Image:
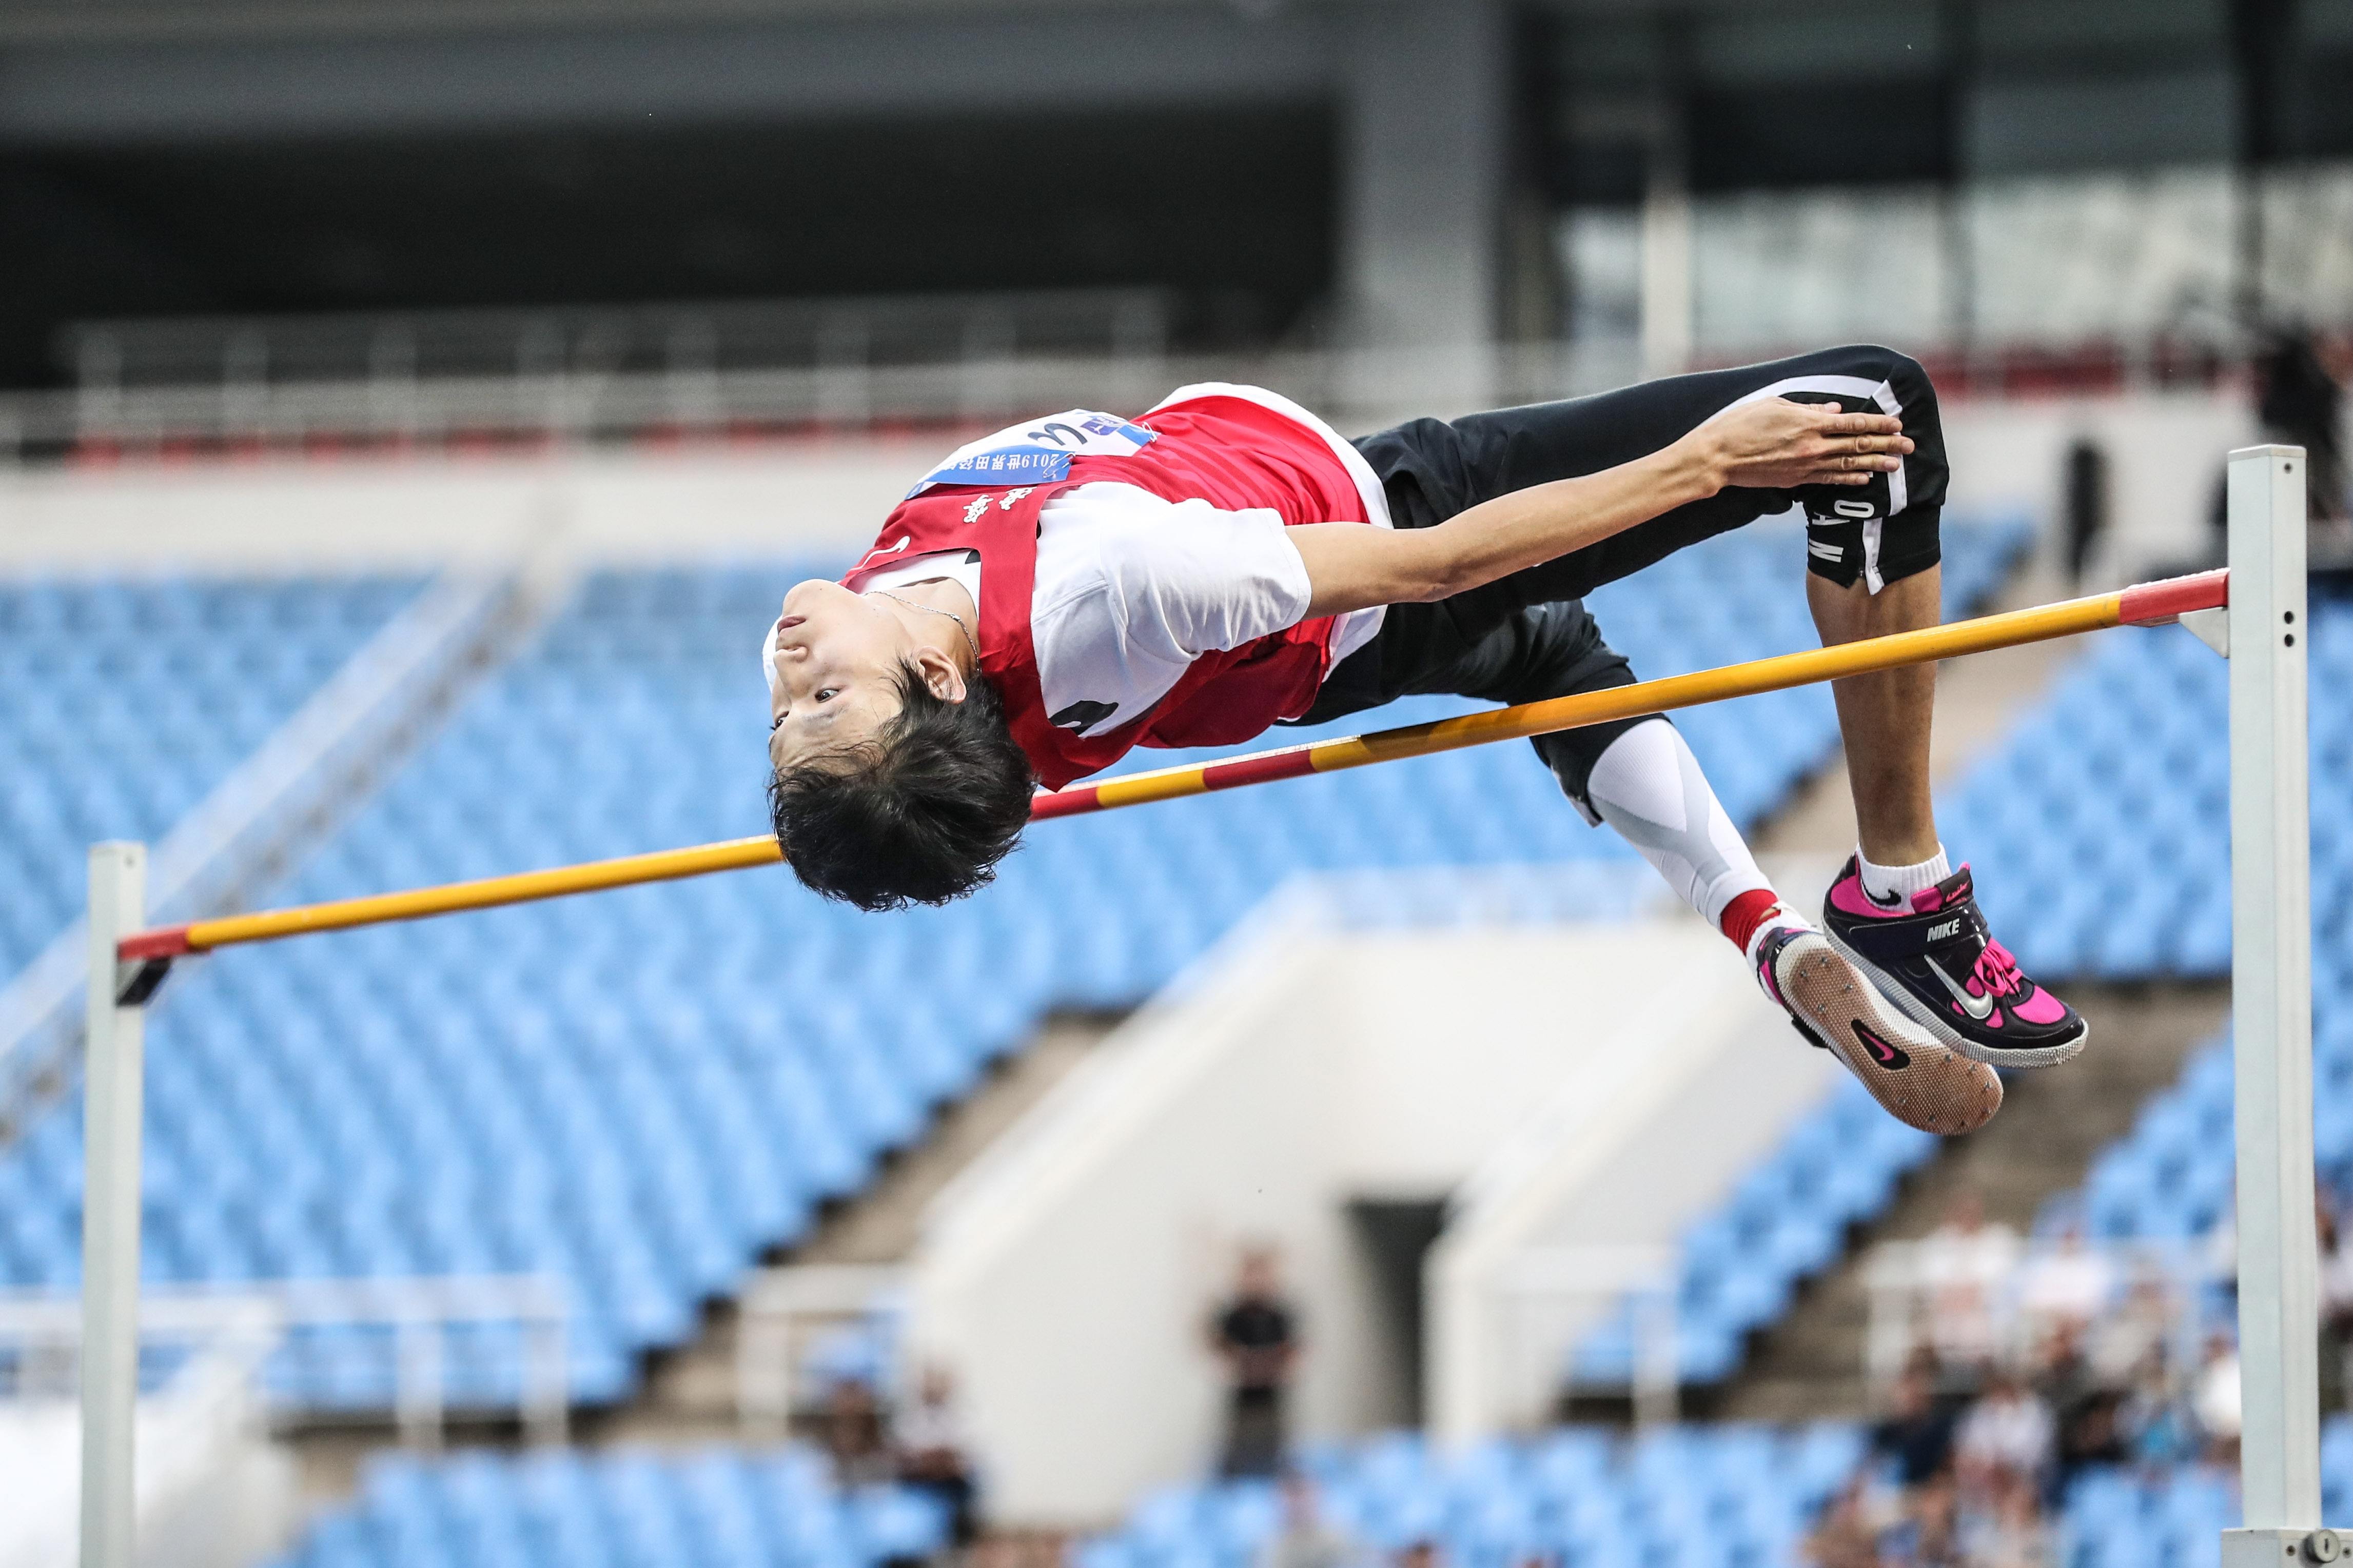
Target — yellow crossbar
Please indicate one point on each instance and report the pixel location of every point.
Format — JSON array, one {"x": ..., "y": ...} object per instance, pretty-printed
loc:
[{"x": 2146, "y": 605}]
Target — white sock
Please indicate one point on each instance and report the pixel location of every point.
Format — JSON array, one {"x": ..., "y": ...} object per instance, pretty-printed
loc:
[
  {"x": 1897, "y": 884},
  {"x": 1649, "y": 787},
  {"x": 1782, "y": 919}
]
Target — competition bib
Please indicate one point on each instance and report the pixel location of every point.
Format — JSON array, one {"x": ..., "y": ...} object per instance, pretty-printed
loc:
[{"x": 1039, "y": 451}]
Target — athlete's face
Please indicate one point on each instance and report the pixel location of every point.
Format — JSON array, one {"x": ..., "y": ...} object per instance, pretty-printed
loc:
[{"x": 834, "y": 657}]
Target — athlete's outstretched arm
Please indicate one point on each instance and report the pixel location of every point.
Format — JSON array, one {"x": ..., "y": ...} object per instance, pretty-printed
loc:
[{"x": 1771, "y": 444}]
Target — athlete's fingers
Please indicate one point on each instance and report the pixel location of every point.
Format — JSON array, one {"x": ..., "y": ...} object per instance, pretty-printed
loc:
[
  {"x": 1862, "y": 452},
  {"x": 1852, "y": 469},
  {"x": 1834, "y": 422}
]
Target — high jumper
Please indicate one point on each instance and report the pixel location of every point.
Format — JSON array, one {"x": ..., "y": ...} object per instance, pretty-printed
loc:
[{"x": 1055, "y": 594}]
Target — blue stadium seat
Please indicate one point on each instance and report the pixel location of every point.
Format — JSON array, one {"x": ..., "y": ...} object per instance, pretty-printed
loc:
[
  {"x": 127, "y": 702},
  {"x": 1692, "y": 1494},
  {"x": 715, "y": 1509},
  {"x": 2175, "y": 1514}
]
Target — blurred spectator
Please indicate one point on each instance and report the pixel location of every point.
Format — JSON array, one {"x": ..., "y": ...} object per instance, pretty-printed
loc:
[
  {"x": 2336, "y": 1305},
  {"x": 854, "y": 1434},
  {"x": 1918, "y": 1433},
  {"x": 2007, "y": 1435},
  {"x": 2220, "y": 1250},
  {"x": 2064, "y": 1287},
  {"x": 2157, "y": 1427},
  {"x": 2087, "y": 505},
  {"x": 1846, "y": 1536},
  {"x": 2214, "y": 1399},
  {"x": 1929, "y": 1535},
  {"x": 2298, "y": 403},
  {"x": 933, "y": 1452},
  {"x": 1421, "y": 1553},
  {"x": 2083, "y": 1409},
  {"x": 1966, "y": 1264},
  {"x": 1256, "y": 1336},
  {"x": 1306, "y": 1538},
  {"x": 2122, "y": 1341},
  {"x": 2007, "y": 1529}
]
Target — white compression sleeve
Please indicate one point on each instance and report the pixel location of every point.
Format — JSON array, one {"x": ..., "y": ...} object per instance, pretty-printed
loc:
[{"x": 1649, "y": 787}]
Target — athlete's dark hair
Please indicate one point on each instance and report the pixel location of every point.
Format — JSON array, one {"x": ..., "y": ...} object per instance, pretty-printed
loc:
[{"x": 920, "y": 814}]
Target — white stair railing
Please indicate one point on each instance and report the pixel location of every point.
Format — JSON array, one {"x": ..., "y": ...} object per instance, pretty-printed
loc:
[{"x": 40, "y": 1335}]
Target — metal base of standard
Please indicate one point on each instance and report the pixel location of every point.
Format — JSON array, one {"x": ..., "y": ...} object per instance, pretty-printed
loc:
[{"x": 2281, "y": 1547}]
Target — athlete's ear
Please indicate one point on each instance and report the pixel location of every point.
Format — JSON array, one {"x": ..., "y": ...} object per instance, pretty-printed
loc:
[{"x": 940, "y": 675}]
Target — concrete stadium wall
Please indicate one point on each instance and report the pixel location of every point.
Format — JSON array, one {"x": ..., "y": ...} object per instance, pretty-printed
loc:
[
  {"x": 1646, "y": 1131},
  {"x": 214, "y": 1491},
  {"x": 2165, "y": 452},
  {"x": 602, "y": 507}
]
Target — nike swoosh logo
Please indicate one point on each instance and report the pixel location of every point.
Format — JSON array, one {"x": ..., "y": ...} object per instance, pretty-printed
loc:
[
  {"x": 1978, "y": 1008},
  {"x": 1889, "y": 1056},
  {"x": 1878, "y": 902}
]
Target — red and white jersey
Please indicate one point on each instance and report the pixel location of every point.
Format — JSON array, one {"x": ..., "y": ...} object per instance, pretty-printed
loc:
[{"x": 1133, "y": 582}]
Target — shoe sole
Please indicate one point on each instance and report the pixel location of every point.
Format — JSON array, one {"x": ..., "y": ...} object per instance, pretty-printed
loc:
[
  {"x": 1920, "y": 1013},
  {"x": 1939, "y": 1090}
]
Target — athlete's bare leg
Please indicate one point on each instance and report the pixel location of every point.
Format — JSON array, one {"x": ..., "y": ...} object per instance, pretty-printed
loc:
[{"x": 1886, "y": 717}]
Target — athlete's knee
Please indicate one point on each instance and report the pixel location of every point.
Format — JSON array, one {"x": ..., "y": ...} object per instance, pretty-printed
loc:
[
  {"x": 1878, "y": 362},
  {"x": 1572, "y": 755},
  {"x": 1914, "y": 390}
]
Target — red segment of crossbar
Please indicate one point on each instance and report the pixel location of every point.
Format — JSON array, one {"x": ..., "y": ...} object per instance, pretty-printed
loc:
[
  {"x": 164, "y": 942},
  {"x": 2153, "y": 603},
  {"x": 1062, "y": 803},
  {"x": 1291, "y": 763},
  {"x": 1266, "y": 769}
]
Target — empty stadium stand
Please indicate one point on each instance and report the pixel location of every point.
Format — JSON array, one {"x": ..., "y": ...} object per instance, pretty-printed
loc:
[
  {"x": 126, "y": 701},
  {"x": 619, "y": 1509},
  {"x": 1680, "y": 1495},
  {"x": 2103, "y": 825},
  {"x": 642, "y": 1093}
]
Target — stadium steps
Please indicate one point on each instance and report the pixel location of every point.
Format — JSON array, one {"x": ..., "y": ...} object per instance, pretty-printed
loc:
[
  {"x": 689, "y": 1395},
  {"x": 2050, "y": 1127}
]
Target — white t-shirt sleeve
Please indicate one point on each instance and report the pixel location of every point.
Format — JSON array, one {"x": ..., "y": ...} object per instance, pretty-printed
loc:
[
  {"x": 1183, "y": 578},
  {"x": 1132, "y": 588}
]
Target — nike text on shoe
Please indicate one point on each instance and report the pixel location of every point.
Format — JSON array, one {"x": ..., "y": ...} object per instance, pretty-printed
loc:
[
  {"x": 1935, "y": 958},
  {"x": 1919, "y": 1082}
]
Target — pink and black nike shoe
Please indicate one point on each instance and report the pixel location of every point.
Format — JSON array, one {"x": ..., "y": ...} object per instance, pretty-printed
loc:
[
  {"x": 1834, "y": 1005},
  {"x": 1934, "y": 957}
]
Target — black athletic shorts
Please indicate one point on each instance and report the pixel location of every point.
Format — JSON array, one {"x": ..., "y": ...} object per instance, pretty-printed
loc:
[{"x": 1527, "y": 637}]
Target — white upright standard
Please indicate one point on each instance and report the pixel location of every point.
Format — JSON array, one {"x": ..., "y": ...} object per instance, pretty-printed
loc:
[
  {"x": 113, "y": 1102},
  {"x": 2271, "y": 1009}
]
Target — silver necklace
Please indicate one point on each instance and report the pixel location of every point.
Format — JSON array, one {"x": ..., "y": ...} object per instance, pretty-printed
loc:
[{"x": 932, "y": 610}]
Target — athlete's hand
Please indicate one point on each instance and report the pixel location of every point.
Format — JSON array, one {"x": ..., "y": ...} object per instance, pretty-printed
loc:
[{"x": 1774, "y": 444}]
